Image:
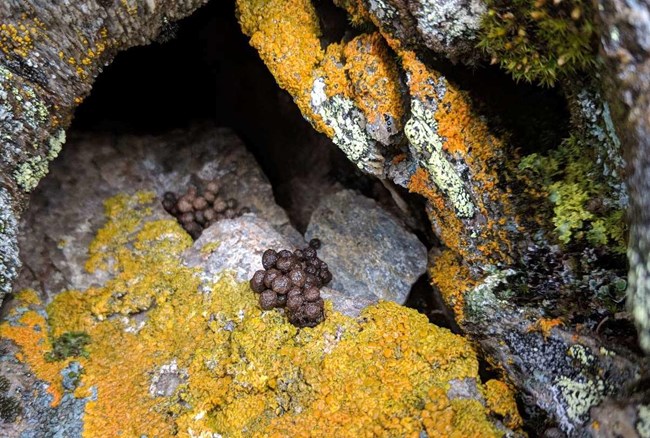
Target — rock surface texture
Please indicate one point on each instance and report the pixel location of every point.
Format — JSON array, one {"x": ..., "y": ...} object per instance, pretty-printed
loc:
[
  {"x": 533, "y": 243},
  {"x": 373, "y": 255},
  {"x": 96, "y": 167},
  {"x": 171, "y": 325}
]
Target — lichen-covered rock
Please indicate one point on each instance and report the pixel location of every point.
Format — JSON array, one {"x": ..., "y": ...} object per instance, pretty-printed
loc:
[
  {"x": 370, "y": 252},
  {"x": 236, "y": 370},
  {"x": 626, "y": 49},
  {"x": 94, "y": 167},
  {"x": 50, "y": 54}
]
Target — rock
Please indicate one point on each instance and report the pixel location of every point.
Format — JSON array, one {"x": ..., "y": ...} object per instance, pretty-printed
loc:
[
  {"x": 370, "y": 254},
  {"x": 236, "y": 245},
  {"x": 207, "y": 347},
  {"x": 48, "y": 65},
  {"x": 68, "y": 210}
]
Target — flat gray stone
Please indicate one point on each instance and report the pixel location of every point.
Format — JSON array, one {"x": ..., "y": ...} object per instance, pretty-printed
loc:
[
  {"x": 236, "y": 245},
  {"x": 370, "y": 253}
]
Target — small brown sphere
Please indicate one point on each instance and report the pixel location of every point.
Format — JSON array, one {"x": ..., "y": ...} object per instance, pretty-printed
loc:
[
  {"x": 270, "y": 275},
  {"x": 209, "y": 196},
  {"x": 168, "y": 204},
  {"x": 298, "y": 277},
  {"x": 315, "y": 243},
  {"x": 309, "y": 252},
  {"x": 325, "y": 276},
  {"x": 281, "y": 284},
  {"x": 193, "y": 229},
  {"x": 257, "y": 282},
  {"x": 313, "y": 312},
  {"x": 191, "y": 192},
  {"x": 268, "y": 300},
  {"x": 230, "y": 213},
  {"x": 269, "y": 259},
  {"x": 311, "y": 270},
  {"x": 311, "y": 294},
  {"x": 294, "y": 291},
  {"x": 219, "y": 205},
  {"x": 231, "y": 203},
  {"x": 210, "y": 215},
  {"x": 298, "y": 253},
  {"x": 282, "y": 301},
  {"x": 200, "y": 203},
  {"x": 184, "y": 204},
  {"x": 285, "y": 253},
  {"x": 199, "y": 217},
  {"x": 186, "y": 218},
  {"x": 213, "y": 186},
  {"x": 311, "y": 281},
  {"x": 294, "y": 302},
  {"x": 284, "y": 264}
]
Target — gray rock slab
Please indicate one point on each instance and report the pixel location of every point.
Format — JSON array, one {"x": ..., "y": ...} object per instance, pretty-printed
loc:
[
  {"x": 237, "y": 245},
  {"x": 370, "y": 253}
]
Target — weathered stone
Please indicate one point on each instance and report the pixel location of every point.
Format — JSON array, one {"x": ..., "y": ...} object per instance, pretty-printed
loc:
[
  {"x": 236, "y": 245},
  {"x": 68, "y": 210},
  {"x": 368, "y": 251},
  {"x": 50, "y": 53}
]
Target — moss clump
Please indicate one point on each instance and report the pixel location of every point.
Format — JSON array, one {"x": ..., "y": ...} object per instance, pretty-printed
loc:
[
  {"x": 9, "y": 406},
  {"x": 540, "y": 40},
  {"x": 569, "y": 175},
  {"x": 70, "y": 344}
]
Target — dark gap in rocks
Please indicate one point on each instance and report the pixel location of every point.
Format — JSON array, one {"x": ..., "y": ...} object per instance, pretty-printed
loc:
[
  {"x": 203, "y": 69},
  {"x": 425, "y": 300},
  {"x": 333, "y": 22}
]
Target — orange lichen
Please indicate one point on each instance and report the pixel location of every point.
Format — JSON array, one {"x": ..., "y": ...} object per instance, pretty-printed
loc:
[
  {"x": 453, "y": 279},
  {"x": 500, "y": 401},
  {"x": 30, "y": 334},
  {"x": 243, "y": 371},
  {"x": 286, "y": 35},
  {"x": 375, "y": 79},
  {"x": 464, "y": 136},
  {"x": 545, "y": 325}
]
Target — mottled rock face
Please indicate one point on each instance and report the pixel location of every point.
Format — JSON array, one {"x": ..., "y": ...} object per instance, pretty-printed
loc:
[
  {"x": 626, "y": 46},
  {"x": 369, "y": 251},
  {"x": 50, "y": 54},
  {"x": 93, "y": 168},
  {"x": 171, "y": 325}
]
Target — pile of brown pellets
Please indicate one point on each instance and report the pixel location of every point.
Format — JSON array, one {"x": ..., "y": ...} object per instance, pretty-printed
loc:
[
  {"x": 292, "y": 280},
  {"x": 196, "y": 210}
]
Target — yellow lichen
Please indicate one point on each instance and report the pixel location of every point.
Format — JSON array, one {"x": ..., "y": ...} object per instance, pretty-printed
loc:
[
  {"x": 500, "y": 401},
  {"x": 286, "y": 35},
  {"x": 375, "y": 79},
  {"x": 29, "y": 333},
  {"x": 241, "y": 371}
]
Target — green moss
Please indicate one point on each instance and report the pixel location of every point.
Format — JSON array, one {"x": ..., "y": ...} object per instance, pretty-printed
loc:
[
  {"x": 581, "y": 208},
  {"x": 9, "y": 406},
  {"x": 9, "y": 409},
  {"x": 70, "y": 344},
  {"x": 540, "y": 40}
]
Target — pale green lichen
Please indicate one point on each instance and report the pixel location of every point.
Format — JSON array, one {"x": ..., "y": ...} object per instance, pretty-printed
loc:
[
  {"x": 581, "y": 207},
  {"x": 580, "y": 395},
  {"x": 643, "y": 423},
  {"x": 29, "y": 173},
  {"x": 348, "y": 124},
  {"x": 420, "y": 130}
]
